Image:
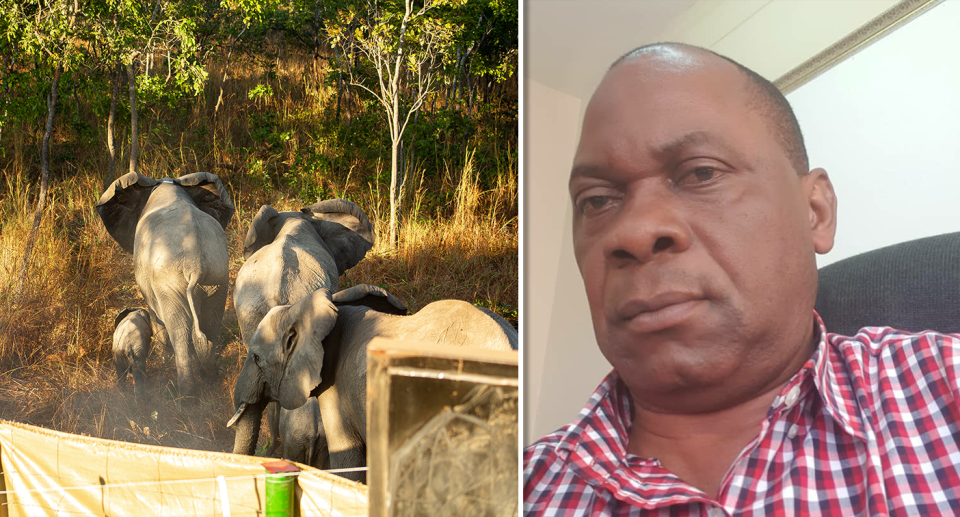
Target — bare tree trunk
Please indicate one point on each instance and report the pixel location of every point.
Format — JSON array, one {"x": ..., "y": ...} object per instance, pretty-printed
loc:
[
  {"x": 394, "y": 151},
  {"x": 111, "y": 145},
  {"x": 336, "y": 53},
  {"x": 393, "y": 192},
  {"x": 316, "y": 40},
  {"x": 44, "y": 181},
  {"x": 226, "y": 75},
  {"x": 134, "y": 118},
  {"x": 6, "y": 92}
]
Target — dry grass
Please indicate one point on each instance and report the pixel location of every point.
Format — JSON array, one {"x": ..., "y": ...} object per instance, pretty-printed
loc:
[{"x": 55, "y": 339}]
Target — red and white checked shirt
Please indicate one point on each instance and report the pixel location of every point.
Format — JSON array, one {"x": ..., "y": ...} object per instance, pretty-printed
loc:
[{"x": 869, "y": 426}]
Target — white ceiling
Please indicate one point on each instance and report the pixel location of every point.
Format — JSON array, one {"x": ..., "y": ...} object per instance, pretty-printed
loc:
[{"x": 569, "y": 43}]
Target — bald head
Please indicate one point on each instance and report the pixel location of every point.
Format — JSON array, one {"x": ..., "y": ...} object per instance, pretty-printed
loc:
[{"x": 765, "y": 98}]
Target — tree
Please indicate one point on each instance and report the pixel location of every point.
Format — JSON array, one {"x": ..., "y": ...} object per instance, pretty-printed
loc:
[
  {"x": 133, "y": 34},
  {"x": 401, "y": 42},
  {"x": 46, "y": 30}
]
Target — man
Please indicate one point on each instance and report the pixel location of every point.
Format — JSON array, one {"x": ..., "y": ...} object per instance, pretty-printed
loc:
[{"x": 696, "y": 220}]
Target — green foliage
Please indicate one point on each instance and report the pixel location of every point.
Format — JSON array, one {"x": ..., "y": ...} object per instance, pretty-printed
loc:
[
  {"x": 260, "y": 91},
  {"x": 281, "y": 127}
]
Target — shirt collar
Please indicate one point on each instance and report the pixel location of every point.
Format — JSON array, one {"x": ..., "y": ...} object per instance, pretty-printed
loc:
[{"x": 835, "y": 384}]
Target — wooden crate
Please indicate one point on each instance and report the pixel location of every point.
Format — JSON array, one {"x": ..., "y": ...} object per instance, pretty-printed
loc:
[{"x": 442, "y": 430}]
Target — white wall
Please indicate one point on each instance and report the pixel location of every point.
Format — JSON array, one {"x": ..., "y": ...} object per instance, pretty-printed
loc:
[
  {"x": 885, "y": 124},
  {"x": 550, "y": 137}
]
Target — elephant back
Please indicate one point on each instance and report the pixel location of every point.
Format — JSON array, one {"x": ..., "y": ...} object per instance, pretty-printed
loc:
[
  {"x": 449, "y": 322},
  {"x": 121, "y": 204}
]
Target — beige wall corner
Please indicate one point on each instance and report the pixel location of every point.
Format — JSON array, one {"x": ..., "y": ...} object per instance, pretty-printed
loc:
[{"x": 550, "y": 134}]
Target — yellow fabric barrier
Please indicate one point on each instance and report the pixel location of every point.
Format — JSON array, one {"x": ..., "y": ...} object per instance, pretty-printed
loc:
[{"x": 46, "y": 472}]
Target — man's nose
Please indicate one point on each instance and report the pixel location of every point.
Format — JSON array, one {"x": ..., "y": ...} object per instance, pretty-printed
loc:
[{"x": 647, "y": 228}]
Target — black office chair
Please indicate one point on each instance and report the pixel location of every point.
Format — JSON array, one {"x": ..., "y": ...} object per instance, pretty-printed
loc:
[{"x": 912, "y": 286}]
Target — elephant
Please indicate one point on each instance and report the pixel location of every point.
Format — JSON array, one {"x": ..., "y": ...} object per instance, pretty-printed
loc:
[
  {"x": 317, "y": 347},
  {"x": 288, "y": 255},
  {"x": 131, "y": 346},
  {"x": 175, "y": 230}
]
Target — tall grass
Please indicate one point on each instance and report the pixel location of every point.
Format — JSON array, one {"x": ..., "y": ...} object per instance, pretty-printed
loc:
[{"x": 458, "y": 240}]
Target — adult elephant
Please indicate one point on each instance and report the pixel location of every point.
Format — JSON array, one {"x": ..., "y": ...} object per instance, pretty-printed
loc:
[
  {"x": 318, "y": 347},
  {"x": 289, "y": 255},
  {"x": 175, "y": 230}
]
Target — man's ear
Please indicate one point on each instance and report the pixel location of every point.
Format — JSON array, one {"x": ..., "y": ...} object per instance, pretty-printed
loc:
[{"x": 822, "y": 203}]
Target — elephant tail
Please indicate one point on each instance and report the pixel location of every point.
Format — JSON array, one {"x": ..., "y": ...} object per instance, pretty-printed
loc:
[{"x": 201, "y": 345}]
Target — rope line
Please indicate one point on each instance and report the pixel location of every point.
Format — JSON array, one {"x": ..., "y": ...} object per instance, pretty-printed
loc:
[{"x": 171, "y": 482}]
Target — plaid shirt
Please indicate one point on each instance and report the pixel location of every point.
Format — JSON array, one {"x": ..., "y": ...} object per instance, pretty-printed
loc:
[{"x": 869, "y": 426}]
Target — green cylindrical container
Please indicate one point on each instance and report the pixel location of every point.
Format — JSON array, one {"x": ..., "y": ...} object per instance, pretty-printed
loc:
[{"x": 280, "y": 487}]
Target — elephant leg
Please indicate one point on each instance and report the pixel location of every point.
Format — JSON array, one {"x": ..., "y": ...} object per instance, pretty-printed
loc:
[
  {"x": 344, "y": 444},
  {"x": 176, "y": 317},
  {"x": 320, "y": 455},
  {"x": 139, "y": 367},
  {"x": 211, "y": 311}
]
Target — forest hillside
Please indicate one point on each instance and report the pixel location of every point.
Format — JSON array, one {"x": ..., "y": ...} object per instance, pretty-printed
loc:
[{"x": 407, "y": 108}]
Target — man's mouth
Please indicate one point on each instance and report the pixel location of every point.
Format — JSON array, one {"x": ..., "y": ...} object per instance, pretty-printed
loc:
[{"x": 658, "y": 312}]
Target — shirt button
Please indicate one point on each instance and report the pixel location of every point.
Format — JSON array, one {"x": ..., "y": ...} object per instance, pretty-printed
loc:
[
  {"x": 792, "y": 396},
  {"x": 716, "y": 512},
  {"x": 792, "y": 432}
]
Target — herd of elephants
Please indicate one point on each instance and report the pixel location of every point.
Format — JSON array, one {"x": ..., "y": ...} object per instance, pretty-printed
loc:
[{"x": 306, "y": 339}]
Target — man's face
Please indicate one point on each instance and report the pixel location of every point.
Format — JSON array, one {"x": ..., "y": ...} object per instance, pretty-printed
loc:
[{"x": 694, "y": 235}]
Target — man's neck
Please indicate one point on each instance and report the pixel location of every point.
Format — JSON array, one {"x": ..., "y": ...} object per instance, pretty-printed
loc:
[{"x": 699, "y": 448}]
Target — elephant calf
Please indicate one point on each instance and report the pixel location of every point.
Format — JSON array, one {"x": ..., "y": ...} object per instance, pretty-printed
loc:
[
  {"x": 131, "y": 346},
  {"x": 304, "y": 440}
]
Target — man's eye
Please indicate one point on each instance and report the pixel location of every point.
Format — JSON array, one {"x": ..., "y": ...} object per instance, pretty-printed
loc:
[
  {"x": 703, "y": 173},
  {"x": 593, "y": 204},
  {"x": 699, "y": 175}
]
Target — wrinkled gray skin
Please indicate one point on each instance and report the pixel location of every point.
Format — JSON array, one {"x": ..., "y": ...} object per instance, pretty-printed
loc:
[
  {"x": 301, "y": 430},
  {"x": 292, "y": 254},
  {"x": 304, "y": 440},
  {"x": 317, "y": 347},
  {"x": 175, "y": 230},
  {"x": 131, "y": 346}
]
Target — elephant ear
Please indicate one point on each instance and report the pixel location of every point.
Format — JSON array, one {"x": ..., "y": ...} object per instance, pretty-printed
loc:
[
  {"x": 121, "y": 204},
  {"x": 344, "y": 228},
  {"x": 261, "y": 231},
  {"x": 375, "y": 297},
  {"x": 121, "y": 316},
  {"x": 208, "y": 194},
  {"x": 344, "y": 212},
  {"x": 312, "y": 319}
]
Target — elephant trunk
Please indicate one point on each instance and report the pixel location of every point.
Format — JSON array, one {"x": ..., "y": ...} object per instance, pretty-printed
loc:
[
  {"x": 248, "y": 429},
  {"x": 249, "y": 400}
]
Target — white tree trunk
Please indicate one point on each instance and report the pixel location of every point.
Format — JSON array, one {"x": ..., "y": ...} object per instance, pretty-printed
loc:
[
  {"x": 134, "y": 118},
  {"x": 111, "y": 144}
]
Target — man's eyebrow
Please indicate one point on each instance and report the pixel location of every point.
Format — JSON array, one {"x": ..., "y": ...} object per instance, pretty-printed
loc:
[
  {"x": 674, "y": 147},
  {"x": 586, "y": 171}
]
